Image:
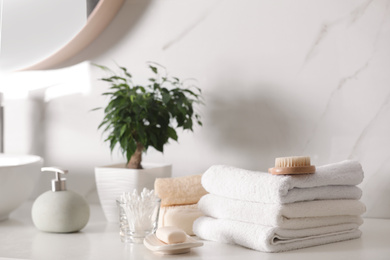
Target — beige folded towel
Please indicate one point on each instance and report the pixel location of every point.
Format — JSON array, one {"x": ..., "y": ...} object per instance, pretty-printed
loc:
[
  {"x": 184, "y": 190},
  {"x": 182, "y": 217}
]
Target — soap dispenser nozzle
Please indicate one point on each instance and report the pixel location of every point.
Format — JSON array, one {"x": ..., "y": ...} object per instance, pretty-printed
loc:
[{"x": 57, "y": 184}]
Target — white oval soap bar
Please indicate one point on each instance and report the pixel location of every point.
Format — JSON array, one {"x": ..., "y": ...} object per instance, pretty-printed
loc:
[{"x": 171, "y": 235}]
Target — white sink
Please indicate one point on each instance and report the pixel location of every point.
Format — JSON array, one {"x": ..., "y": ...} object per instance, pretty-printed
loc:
[{"x": 18, "y": 177}]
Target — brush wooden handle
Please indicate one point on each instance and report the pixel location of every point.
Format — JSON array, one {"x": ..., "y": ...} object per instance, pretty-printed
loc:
[{"x": 292, "y": 170}]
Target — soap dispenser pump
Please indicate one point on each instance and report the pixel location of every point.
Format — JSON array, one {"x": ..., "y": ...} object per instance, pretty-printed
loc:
[{"x": 60, "y": 210}]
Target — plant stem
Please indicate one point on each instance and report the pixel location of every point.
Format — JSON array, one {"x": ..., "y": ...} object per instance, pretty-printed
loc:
[{"x": 136, "y": 158}]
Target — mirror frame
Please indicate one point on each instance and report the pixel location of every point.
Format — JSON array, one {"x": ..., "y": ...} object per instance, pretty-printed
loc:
[{"x": 97, "y": 21}]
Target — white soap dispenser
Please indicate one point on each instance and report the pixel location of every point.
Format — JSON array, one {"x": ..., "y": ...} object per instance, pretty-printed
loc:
[{"x": 60, "y": 210}]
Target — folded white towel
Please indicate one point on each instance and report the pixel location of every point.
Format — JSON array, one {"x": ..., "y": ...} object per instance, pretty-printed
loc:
[
  {"x": 271, "y": 239},
  {"x": 333, "y": 181},
  {"x": 296, "y": 215}
]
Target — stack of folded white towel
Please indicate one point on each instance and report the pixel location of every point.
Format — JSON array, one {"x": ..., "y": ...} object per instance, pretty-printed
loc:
[{"x": 273, "y": 213}]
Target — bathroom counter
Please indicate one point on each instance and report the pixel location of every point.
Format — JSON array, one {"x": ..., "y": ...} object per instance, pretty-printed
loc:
[{"x": 100, "y": 240}]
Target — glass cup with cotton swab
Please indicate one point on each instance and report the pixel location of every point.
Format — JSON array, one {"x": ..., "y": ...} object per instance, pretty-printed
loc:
[{"x": 138, "y": 215}]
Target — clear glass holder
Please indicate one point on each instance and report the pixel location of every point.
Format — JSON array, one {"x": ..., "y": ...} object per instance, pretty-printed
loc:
[{"x": 137, "y": 220}]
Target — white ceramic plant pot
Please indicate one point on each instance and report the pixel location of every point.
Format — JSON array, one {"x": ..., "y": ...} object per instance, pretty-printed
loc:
[{"x": 113, "y": 180}]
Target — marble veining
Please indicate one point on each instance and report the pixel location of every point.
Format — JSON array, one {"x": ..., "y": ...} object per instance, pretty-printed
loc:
[
  {"x": 325, "y": 28},
  {"x": 191, "y": 26},
  {"x": 383, "y": 107},
  {"x": 366, "y": 130},
  {"x": 342, "y": 82},
  {"x": 323, "y": 32},
  {"x": 359, "y": 11},
  {"x": 353, "y": 17}
]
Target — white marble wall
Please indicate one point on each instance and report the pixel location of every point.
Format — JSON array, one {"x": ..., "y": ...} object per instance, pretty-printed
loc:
[{"x": 279, "y": 78}]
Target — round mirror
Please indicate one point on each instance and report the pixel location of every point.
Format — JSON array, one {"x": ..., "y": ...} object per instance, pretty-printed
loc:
[{"x": 41, "y": 34}]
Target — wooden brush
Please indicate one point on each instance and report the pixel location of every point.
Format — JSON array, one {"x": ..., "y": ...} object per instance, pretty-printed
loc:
[{"x": 292, "y": 165}]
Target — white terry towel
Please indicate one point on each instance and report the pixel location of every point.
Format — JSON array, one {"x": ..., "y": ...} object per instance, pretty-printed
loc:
[
  {"x": 271, "y": 239},
  {"x": 333, "y": 181},
  {"x": 298, "y": 215}
]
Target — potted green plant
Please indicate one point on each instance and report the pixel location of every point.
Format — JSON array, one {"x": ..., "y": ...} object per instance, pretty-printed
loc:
[{"x": 136, "y": 118}]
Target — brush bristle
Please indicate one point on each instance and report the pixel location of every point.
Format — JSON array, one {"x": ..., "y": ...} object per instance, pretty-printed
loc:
[{"x": 293, "y": 161}]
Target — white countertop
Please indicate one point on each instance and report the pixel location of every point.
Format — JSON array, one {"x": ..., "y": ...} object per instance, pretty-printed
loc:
[{"x": 100, "y": 240}]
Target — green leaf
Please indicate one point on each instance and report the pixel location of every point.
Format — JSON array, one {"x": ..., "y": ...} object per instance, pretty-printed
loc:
[
  {"x": 109, "y": 138},
  {"x": 103, "y": 67},
  {"x": 190, "y": 92},
  {"x": 102, "y": 123},
  {"x": 100, "y": 66},
  {"x": 153, "y": 139},
  {"x": 172, "y": 133},
  {"x": 166, "y": 97},
  {"x": 125, "y": 71},
  {"x": 123, "y": 130},
  {"x": 130, "y": 150},
  {"x": 188, "y": 125},
  {"x": 128, "y": 120},
  {"x": 154, "y": 69},
  {"x": 106, "y": 79},
  {"x": 108, "y": 93},
  {"x": 118, "y": 78},
  {"x": 112, "y": 144},
  {"x": 141, "y": 134}
]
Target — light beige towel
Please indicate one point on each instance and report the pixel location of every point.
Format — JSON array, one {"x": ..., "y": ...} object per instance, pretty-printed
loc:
[
  {"x": 182, "y": 217},
  {"x": 184, "y": 190}
]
